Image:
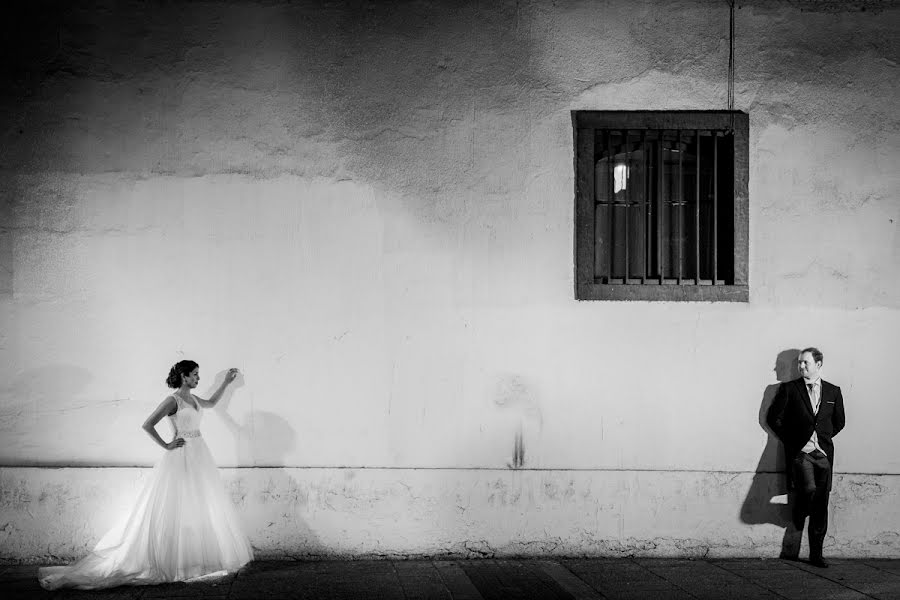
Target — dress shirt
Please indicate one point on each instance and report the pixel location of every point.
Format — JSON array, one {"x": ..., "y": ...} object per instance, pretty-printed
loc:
[{"x": 815, "y": 398}]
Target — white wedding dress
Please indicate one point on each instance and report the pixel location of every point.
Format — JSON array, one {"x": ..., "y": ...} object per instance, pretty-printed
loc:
[{"x": 182, "y": 526}]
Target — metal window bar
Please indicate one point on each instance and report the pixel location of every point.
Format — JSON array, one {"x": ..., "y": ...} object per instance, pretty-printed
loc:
[
  {"x": 610, "y": 212},
  {"x": 715, "y": 212},
  {"x": 627, "y": 209},
  {"x": 679, "y": 236},
  {"x": 660, "y": 258},
  {"x": 697, "y": 216},
  {"x": 593, "y": 197},
  {"x": 648, "y": 213}
]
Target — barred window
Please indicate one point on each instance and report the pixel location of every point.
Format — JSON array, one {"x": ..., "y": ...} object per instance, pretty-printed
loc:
[{"x": 661, "y": 205}]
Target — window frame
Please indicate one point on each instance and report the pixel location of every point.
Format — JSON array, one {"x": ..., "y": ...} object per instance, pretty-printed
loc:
[{"x": 585, "y": 124}]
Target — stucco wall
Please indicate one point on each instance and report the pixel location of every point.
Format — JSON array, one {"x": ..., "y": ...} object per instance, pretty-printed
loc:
[
  {"x": 369, "y": 210},
  {"x": 462, "y": 512}
]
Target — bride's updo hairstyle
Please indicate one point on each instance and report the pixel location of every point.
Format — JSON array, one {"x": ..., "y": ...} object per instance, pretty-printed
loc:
[{"x": 179, "y": 369}]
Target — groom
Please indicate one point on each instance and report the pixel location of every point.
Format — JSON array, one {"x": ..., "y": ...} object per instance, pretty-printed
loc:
[{"x": 805, "y": 415}]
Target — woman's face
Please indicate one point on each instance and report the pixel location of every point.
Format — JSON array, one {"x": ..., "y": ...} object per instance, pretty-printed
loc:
[{"x": 192, "y": 379}]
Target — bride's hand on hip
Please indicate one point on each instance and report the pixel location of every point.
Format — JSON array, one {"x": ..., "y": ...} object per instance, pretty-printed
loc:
[{"x": 176, "y": 443}]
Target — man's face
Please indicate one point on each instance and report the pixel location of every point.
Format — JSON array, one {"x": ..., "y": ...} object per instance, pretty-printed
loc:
[{"x": 809, "y": 368}]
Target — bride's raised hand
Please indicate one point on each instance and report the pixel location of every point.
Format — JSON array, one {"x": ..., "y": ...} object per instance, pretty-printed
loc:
[{"x": 231, "y": 375}]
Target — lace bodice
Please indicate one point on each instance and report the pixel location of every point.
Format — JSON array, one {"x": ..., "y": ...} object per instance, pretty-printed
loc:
[{"x": 187, "y": 418}]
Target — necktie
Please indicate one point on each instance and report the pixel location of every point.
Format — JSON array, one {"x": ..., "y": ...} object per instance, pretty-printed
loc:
[{"x": 812, "y": 397}]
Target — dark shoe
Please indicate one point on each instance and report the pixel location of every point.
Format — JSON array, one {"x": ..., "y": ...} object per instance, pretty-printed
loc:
[{"x": 818, "y": 561}]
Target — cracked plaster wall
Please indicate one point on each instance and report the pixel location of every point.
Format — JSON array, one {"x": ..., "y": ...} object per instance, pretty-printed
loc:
[
  {"x": 369, "y": 210},
  {"x": 58, "y": 513}
]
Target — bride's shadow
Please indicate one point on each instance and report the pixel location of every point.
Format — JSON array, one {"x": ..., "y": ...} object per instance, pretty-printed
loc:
[
  {"x": 264, "y": 441},
  {"x": 767, "y": 500}
]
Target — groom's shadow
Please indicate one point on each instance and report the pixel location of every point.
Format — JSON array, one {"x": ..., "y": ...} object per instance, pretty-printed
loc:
[
  {"x": 264, "y": 440},
  {"x": 767, "y": 500}
]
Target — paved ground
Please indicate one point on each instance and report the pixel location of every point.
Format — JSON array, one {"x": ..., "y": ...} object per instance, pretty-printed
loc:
[{"x": 483, "y": 579}]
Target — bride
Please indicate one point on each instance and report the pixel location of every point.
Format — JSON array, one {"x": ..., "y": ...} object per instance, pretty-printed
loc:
[{"x": 183, "y": 525}]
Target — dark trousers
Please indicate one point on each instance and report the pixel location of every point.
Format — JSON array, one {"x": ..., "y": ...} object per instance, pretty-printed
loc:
[{"x": 811, "y": 497}]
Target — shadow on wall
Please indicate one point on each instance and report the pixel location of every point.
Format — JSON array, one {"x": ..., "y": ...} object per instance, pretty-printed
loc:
[
  {"x": 398, "y": 86},
  {"x": 766, "y": 501},
  {"x": 273, "y": 505},
  {"x": 427, "y": 92},
  {"x": 6, "y": 248}
]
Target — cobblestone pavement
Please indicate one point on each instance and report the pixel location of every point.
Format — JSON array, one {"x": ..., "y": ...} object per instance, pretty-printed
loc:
[{"x": 495, "y": 579}]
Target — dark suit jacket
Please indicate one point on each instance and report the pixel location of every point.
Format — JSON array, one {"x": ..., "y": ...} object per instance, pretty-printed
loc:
[{"x": 791, "y": 418}]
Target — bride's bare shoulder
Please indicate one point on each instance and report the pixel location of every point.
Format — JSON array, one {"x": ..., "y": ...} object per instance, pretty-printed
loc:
[{"x": 169, "y": 404}]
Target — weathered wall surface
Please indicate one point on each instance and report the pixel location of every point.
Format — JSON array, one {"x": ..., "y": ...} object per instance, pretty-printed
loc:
[
  {"x": 369, "y": 210},
  {"x": 458, "y": 512}
]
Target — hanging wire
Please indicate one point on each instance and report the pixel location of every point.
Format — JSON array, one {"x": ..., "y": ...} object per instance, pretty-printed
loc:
[{"x": 731, "y": 60}]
